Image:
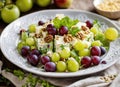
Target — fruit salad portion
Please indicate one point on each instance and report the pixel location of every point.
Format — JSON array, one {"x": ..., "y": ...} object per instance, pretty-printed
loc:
[{"x": 64, "y": 44}]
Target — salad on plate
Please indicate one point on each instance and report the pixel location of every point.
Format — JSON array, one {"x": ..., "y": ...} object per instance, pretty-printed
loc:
[{"x": 63, "y": 44}]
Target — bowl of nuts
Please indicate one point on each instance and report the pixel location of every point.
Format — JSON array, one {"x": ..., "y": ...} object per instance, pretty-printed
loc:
[{"x": 108, "y": 8}]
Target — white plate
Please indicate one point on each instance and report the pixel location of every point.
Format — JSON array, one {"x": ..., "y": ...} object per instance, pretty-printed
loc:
[{"x": 10, "y": 37}]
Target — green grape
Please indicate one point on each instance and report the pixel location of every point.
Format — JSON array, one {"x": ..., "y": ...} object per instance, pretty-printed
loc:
[
  {"x": 30, "y": 41},
  {"x": 33, "y": 47},
  {"x": 73, "y": 53},
  {"x": 55, "y": 57},
  {"x": 96, "y": 43},
  {"x": 65, "y": 53},
  {"x": 24, "y": 36},
  {"x": 20, "y": 45},
  {"x": 100, "y": 36},
  {"x": 32, "y": 28},
  {"x": 84, "y": 52},
  {"x": 111, "y": 33},
  {"x": 94, "y": 30},
  {"x": 61, "y": 66},
  {"x": 79, "y": 45},
  {"x": 72, "y": 65}
]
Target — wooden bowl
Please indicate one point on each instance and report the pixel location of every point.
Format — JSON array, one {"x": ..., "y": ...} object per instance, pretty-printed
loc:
[{"x": 109, "y": 14}]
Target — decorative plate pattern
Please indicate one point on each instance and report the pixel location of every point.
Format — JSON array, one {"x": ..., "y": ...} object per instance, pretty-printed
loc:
[{"x": 10, "y": 38}]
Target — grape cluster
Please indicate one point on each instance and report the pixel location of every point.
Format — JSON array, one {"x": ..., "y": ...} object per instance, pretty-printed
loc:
[
  {"x": 95, "y": 58},
  {"x": 79, "y": 55}
]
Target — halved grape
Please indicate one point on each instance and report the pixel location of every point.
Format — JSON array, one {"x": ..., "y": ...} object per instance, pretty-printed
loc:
[{"x": 61, "y": 66}]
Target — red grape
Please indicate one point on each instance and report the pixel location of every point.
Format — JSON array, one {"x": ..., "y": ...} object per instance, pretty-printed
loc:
[
  {"x": 41, "y": 23},
  {"x": 95, "y": 60},
  {"x": 49, "y": 26},
  {"x": 44, "y": 59},
  {"x": 25, "y": 51},
  {"x": 104, "y": 62},
  {"x": 103, "y": 50},
  {"x": 52, "y": 31},
  {"x": 50, "y": 67},
  {"x": 95, "y": 51},
  {"x": 63, "y": 30},
  {"x": 33, "y": 59},
  {"x": 35, "y": 51},
  {"x": 86, "y": 61},
  {"x": 89, "y": 24}
]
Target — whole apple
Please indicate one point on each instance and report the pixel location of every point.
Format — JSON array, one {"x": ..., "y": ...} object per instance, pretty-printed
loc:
[
  {"x": 24, "y": 5},
  {"x": 0, "y": 15},
  {"x": 63, "y": 3},
  {"x": 43, "y": 3},
  {"x": 9, "y": 13}
]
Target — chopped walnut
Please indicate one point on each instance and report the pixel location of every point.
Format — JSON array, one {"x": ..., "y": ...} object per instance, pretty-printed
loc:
[
  {"x": 44, "y": 29},
  {"x": 48, "y": 38},
  {"x": 68, "y": 38},
  {"x": 40, "y": 35},
  {"x": 80, "y": 35},
  {"x": 85, "y": 29}
]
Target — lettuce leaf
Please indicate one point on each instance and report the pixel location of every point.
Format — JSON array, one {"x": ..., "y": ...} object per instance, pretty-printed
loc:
[{"x": 66, "y": 21}]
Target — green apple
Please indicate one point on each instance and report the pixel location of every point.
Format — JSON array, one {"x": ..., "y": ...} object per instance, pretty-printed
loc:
[
  {"x": 9, "y": 13},
  {"x": 63, "y": 3},
  {"x": 2, "y": 3},
  {"x": 0, "y": 14},
  {"x": 24, "y": 5},
  {"x": 43, "y": 3}
]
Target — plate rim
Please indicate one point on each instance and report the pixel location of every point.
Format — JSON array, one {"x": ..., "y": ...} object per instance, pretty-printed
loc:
[{"x": 46, "y": 74}]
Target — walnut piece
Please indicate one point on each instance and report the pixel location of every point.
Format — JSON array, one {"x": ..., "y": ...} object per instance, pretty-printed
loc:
[
  {"x": 85, "y": 29},
  {"x": 40, "y": 35},
  {"x": 68, "y": 38},
  {"x": 80, "y": 35},
  {"x": 48, "y": 38}
]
